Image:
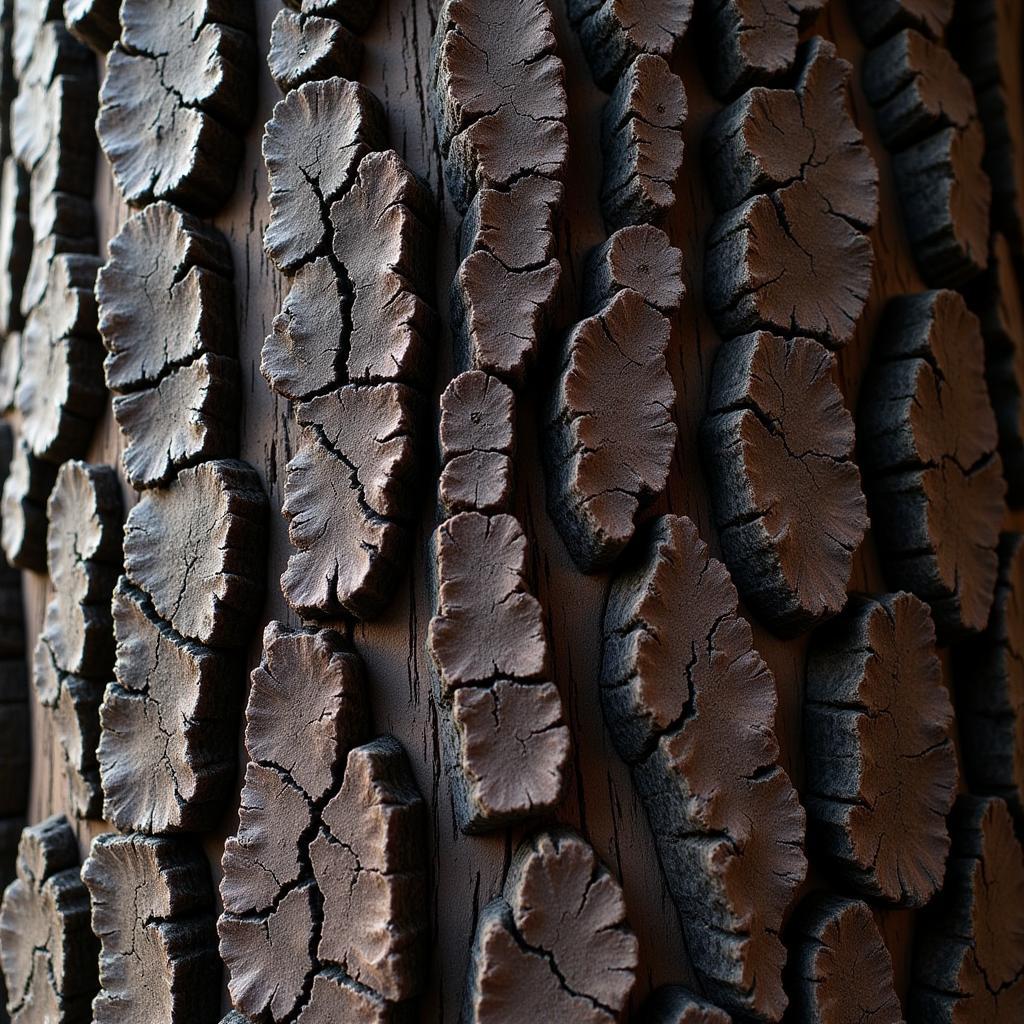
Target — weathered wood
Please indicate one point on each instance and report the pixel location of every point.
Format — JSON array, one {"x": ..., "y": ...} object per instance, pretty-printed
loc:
[
  {"x": 338, "y": 116},
  {"x": 880, "y": 18},
  {"x": 152, "y": 910},
  {"x": 690, "y": 706},
  {"x": 841, "y": 967},
  {"x": 752, "y": 42},
  {"x": 324, "y": 883},
  {"x": 556, "y": 945},
  {"x": 791, "y": 255},
  {"x": 990, "y": 689},
  {"x": 881, "y": 766},
  {"x": 194, "y": 550},
  {"x": 500, "y": 95},
  {"x": 673, "y": 1004},
  {"x": 615, "y": 32},
  {"x": 927, "y": 441},
  {"x": 306, "y": 48},
  {"x": 47, "y": 948},
  {"x": 642, "y": 259},
  {"x": 778, "y": 446},
  {"x": 190, "y": 65},
  {"x": 167, "y": 753},
  {"x": 642, "y": 143},
  {"x": 26, "y": 490},
  {"x": 610, "y": 432},
  {"x": 970, "y": 945},
  {"x": 15, "y": 243}
]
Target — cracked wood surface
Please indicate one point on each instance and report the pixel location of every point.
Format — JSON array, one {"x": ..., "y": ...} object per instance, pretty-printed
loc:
[
  {"x": 556, "y": 944},
  {"x": 881, "y": 765},
  {"x": 927, "y": 442},
  {"x": 842, "y": 971},
  {"x": 968, "y": 956},
  {"x": 928, "y": 117},
  {"x": 798, "y": 190},
  {"x": 49, "y": 951},
  {"x": 599, "y": 800},
  {"x": 304, "y": 48},
  {"x": 93, "y": 22},
  {"x": 188, "y": 65},
  {"x": 690, "y": 706},
  {"x": 165, "y": 299},
  {"x": 877, "y": 19},
  {"x": 324, "y": 884},
  {"x": 74, "y": 655},
  {"x": 153, "y": 913},
  {"x": 778, "y": 445}
]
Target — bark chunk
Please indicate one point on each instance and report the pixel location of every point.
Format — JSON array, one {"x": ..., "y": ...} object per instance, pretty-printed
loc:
[
  {"x": 348, "y": 500},
  {"x": 166, "y": 316},
  {"x": 752, "y": 42},
  {"x": 307, "y": 48},
  {"x": 15, "y": 243},
  {"x": 880, "y": 18},
  {"x": 927, "y": 440},
  {"x": 990, "y": 689},
  {"x": 195, "y": 547},
  {"x": 166, "y": 753},
  {"x": 47, "y": 948},
  {"x": 641, "y": 259},
  {"x": 556, "y": 944},
  {"x": 842, "y": 969},
  {"x": 691, "y": 707},
  {"x": 499, "y": 85},
  {"x": 615, "y": 32},
  {"x": 801, "y": 189},
  {"x": 881, "y": 765},
  {"x": 970, "y": 943},
  {"x": 26, "y": 489},
  {"x": 778, "y": 444},
  {"x": 60, "y": 389},
  {"x": 152, "y": 910},
  {"x": 642, "y": 143},
  {"x": 610, "y": 428},
  {"x": 191, "y": 65},
  {"x": 324, "y": 884},
  {"x": 93, "y": 22},
  {"x": 313, "y": 144},
  {"x": 983, "y": 37}
]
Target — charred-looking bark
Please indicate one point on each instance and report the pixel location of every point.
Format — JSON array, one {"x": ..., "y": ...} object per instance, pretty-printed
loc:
[
  {"x": 47, "y": 948},
  {"x": 153, "y": 913},
  {"x": 324, "y": 886},
  {"x": 798, "y": 190},
  {"x": 195, "y": 550},
  {"x": 778, "y": 445},
  {"x": 752, "y": 42},
  {"x": 969, "y": 945},
  {"x": 167, "y": 319},
  {"x": 305, "y": 48},
  {"x": 556, "y": 944},
  {"x": 74, "y": 654},
  {"x": 509, "y": 747},
  {"x": 880, "y": 18},
  {"x": 928, "y": 118},
  {"x": 190, "y": 64},
  {"x": 927, "y": 441},
  {"x": 881, "y": 766},
  {"x": 985, "y": 37},
  {"x": 691, "y": 708},
  {"x": 673, "y": 1004},
  {"x": 841, "y": 969},
  {"x": 990, "y": 689}
]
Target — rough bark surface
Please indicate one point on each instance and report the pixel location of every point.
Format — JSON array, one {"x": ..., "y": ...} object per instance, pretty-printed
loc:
[
  {"x": 969, "y": 950},
  {"x": 691, "y": 705},
  {"x": 928, "y": 442},
  {"x": 556, "y": 943},
  {"x": 881, "y": 766}
]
